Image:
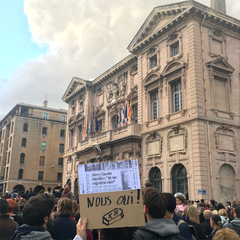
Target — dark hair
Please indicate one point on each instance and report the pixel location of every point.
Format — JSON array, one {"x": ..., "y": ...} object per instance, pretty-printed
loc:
[
  {"x": 66, "y": 206},
  {"x": 201, "y": 205},
  {"x": 3, "y": 206},
  {"x": 182, "y": 199},
  {"x": 171, "y": 202},
  {"x": 37, "y": 208},
  {"x": 30, "y": 189},
  {"x": 217, "y": 220},
  {"x": 155, "y": 201},
  {"x": 148, "y": 184},
  {"x": 49, "y": 189},
  {"x": 220, "y": 206},
  {"x": 229, "y": 203},
  {"x": 126, "y": 233},
  {"x": 212, "y": 201},
  {"x": 202, "y": 200},
  {"x": 237, "y": 211}
]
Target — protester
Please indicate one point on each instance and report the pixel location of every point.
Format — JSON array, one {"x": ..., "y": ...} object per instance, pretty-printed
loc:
[
  {"x": 64, "y": 227},
  {"x": 155, "y": 206},
  {"x": 22, "y": 203},
  {"x": 191, "y": 217},
  {"x": 216, "y": 224},
  {"x": 235, "y": 224},
  {"x": 67, "y": 192},
  {"x": 148, "y": 184},
  {"x": 226, "y": 234},
  {"x": 38, "y": 216},
  {"x": 201, "y": 217},
  {"x": 7, "y": 225},
  {"x": 181, "y": 203},
  {"x": 184, "y": 230},
  {"x": 206, "y": 224},
  {"x": 224, "y": 216},
  {"x": 30, "y": 194},
  {"x": 212, "y": 204},
  {"x": 17, "y": 215},
  {"x": 220, "y": 206}
]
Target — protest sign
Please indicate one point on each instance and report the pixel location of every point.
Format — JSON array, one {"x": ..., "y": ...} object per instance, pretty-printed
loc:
[{"x": 110, "y": 194}]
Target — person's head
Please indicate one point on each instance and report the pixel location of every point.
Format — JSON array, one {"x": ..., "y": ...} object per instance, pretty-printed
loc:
[
  {"x": 237, "y": 212},
  {"x": 126, "y": 233},
  {"x": 228, "y": 204},
  {"x": 201, "y": 210},
  {"x": 223, "y": 212},
  {"x": 148, "y": 184},
  {"x": 181, "y": 200},
  {"x": 41, "y": 192},
  {"x": 49, "y": 189},
  {"x": 11, "y": 205},
  {"x": 38, "y": 211},
  {"x": 202, "y": 200},
  {"x": 65, "y": 207},
  {"x": 66, "y": 186},
  {"x": 207, "y": 214},
  {"x": 226, "y": 234},
  {"x": 215, "y": 221},
  {"x": 3, "y": 206},
  {"x": 155, "y": 203},
  {"x": 200, "y": 204},
  {"x": 234, "y": 204},
  {"x": 220, "y": 206},
  {"x": 191, "y": 213},
  {"x": 22, "y": 202},
  {"x": 30, "y": 189},
  {"x": 171, "y": 202},
  {"x": 212, "y": 202}
]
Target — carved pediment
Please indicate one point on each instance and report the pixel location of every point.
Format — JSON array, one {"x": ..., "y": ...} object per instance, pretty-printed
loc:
[
  {"x": 151, "y": 78},
  {"x": 221, "y": 64},
  {"x": 173, "y": 66},
  {"x": 99, "y": 110},
  {"x": 133, "y": 93}
]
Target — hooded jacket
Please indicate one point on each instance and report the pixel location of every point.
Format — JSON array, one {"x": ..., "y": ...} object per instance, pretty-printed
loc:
[
  {"x": 157, "y": 229},
  {"x": 234, "y": 225}
]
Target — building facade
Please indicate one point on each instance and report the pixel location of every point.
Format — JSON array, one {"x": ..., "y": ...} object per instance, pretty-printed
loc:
[
  {"x": 32, "y": 142},
  {"x": 181, "y": 81}
]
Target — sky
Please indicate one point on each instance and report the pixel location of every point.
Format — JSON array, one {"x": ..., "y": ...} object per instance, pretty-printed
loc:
[{"x": 44, "y": 44}]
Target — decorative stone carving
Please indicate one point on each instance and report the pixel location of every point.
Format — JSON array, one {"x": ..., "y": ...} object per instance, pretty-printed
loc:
[
  {"x": 216, "y": 36},
  {"x": 154, "y": 145},
  {"x": 97, "y": 151},
  {"x": 225, "y": 140},
  {"x": 134, "y": 70},
  {"x": 177, "y": 140},
  {"x": 69, "y": 164}
]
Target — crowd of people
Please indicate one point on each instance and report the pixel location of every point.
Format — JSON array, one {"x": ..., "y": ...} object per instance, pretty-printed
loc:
[{"x": 44, "y": 216}]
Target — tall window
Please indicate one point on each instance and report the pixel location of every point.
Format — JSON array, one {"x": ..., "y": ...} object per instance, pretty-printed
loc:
[
  {"x": 45, "y": 115},
  {"x": 7, "y": 144},
  {"x": 175, "y": 49},
  {"x": 179, "y": 179},
  {"x": 6, "y": 177},
  {"x": 43, "y": 146},
  {"x": 8, "y": 157},
  {"x": 73, "y": 110},
  {"x": 71, "y": 138},
  {"x": 10, "y": 142},
  {"x": 62, "y": 133},
  {"x": 60, "y": 162},
  {"x": 81, "y": 105},
  {"x": 80, "y": 133},
  {"x": 61, "y": 148},
  {"x": 155, "y": 178},
  {"x": 59, "y": 177},
  {"x": 24, "y": 142},
  {"x": 22, "y": 158},
  {"x": 153, "y": 61},
  {"x": 42, "y": 160},
  {"x": 177, "y": 96},
  {"x": 154, "y": 104},
  {"x": 63, "y": 118},
  {"x": 220, "y": 94},
  {"x": 12, "y": 127},
  {"x": 100, "y": 126},
  {"x": 135, "y": 114},
  {"x": 40, "y": 175},
  {"x": 44, "y": 131},
  {"x": 25, "y": 127},
  {"x": 20, "y": 174}
]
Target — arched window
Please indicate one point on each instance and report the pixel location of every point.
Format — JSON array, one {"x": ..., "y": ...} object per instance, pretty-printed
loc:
[
  {"x": 24, "y": 142},
  {"x": 22, "y": 158},
  {"x": 179, "y": 179},
  {"x": 114, "y": 122},
  {"x": 25, "y": 127},
  {"x": 76, "y": 187},
  {"x": 155, "y": 177},
  {"x": 20, "y": 174},
  {"x": 69, "y": 183}
]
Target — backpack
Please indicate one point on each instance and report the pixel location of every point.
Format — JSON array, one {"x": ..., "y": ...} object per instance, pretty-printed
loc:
[{"x": 192, "y": 229}]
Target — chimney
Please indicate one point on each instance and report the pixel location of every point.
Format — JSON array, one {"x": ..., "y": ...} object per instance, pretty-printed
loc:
[
  {"x": 219, "y": 5},
  {"x": 45, "y": 103}
]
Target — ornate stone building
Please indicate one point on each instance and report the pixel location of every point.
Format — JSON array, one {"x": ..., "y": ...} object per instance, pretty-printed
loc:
[
  {"x": 182, "y": 79},
  {"x": 31, "y": 148}
]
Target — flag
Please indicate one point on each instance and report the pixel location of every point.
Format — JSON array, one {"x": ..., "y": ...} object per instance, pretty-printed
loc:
[
  {"x": 96, "y": 126},
  {"x": 84, "y": 133},
  {"x": 130, "y": 113},
  {"x": 120, "y": 121},
  {"x": 126, "y": 114},
  {"x": 123, "y": 116},
  {"x": 89, "y": 133}
]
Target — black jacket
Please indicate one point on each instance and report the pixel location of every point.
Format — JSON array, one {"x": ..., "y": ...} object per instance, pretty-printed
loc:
[
  {"x": 200, "y": 232},
  {"x": 234, "y": 225},
  {"x": 206, "y": 226}
]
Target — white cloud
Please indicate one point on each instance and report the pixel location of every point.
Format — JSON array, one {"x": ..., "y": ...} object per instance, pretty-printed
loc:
[{"x": 84, "y": 39}]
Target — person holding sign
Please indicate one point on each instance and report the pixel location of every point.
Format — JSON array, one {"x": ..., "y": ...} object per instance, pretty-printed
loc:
[{"x": 157, "y": 227}]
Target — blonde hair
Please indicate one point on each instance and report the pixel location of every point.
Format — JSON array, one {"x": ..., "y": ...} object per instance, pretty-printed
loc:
[
  {"x": 214, "y": 212},
  {"x": 226, "y": 234},
  {"x": 223, "y": 212},
  {"x": 192, "y": 213}
]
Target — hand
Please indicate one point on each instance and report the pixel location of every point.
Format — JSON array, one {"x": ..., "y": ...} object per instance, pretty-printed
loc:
[{"x": 82, "y": 228}]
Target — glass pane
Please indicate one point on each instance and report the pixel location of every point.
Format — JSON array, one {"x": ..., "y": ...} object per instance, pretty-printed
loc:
[{"x": 155, "y": 178}]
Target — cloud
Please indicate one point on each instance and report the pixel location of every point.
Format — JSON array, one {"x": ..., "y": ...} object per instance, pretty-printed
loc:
[{"x": 84, "y": 38}]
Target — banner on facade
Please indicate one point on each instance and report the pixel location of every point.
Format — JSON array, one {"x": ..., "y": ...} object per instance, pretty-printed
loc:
[{"x": 110, "y": 194}]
